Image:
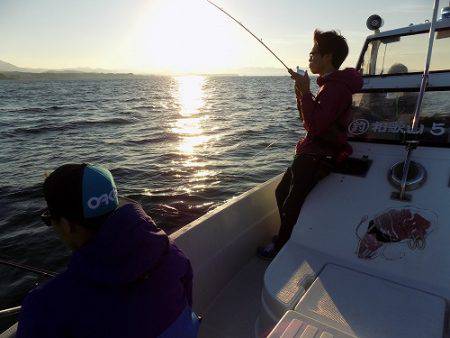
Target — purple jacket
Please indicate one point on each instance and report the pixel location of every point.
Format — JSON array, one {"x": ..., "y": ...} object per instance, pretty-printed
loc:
[
  {"x": 129, "y": 281},
  {"x": 326, "y": 116}
]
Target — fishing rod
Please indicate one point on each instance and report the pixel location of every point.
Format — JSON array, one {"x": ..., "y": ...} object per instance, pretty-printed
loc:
[
  {"x": 27, "y": 268},
  {"x": 15, "y": 310},
  {"x": 249, "y": 31}
]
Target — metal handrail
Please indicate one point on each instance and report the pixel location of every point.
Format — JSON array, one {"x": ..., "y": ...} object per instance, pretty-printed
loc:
[
  {"x": 412, "y": 145},
  {"x": 9, "y": 312}
]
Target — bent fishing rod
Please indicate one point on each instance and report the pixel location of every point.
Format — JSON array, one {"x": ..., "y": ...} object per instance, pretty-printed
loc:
[{"x": 249, "y": 31}]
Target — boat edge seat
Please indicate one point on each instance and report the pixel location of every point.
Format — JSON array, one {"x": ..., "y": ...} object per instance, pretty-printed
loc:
[
  {"x": 288, "y": 277},
  {"x": 9, "y": 333}
]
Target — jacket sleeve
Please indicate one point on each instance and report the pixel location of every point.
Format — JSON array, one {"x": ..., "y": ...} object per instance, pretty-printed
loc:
[
  {"x": 320, "y": 112},
  {"x": 187, "y": 283},
  {"x": 186, "y": 273},
  {"x": 299, "y": 107},
  {"x": 35, "y": 321}
]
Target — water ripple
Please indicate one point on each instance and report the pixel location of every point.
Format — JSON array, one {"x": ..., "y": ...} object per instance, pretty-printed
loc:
[{"x": 179, "y": 146}]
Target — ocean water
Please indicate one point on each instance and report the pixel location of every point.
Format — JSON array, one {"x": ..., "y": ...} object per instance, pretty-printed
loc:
[{"x": 181, "y": 146}]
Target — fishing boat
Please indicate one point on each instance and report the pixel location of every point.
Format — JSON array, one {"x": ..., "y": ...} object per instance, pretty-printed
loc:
[{"x": 369, "y": 254}]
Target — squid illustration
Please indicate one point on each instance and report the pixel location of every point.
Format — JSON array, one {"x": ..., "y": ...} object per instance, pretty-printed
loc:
[{"x": 391, "y": 227}]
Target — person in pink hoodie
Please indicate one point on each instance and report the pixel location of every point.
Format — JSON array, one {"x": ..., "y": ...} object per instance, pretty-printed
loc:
[{"x": 325, "y": 117}]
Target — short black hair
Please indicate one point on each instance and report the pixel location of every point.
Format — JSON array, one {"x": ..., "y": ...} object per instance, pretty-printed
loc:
[
  {"x": 62, "y": 192},
  {"x": 333, "y": 43}
]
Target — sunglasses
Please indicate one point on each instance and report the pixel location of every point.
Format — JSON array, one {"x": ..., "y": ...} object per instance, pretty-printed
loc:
[{"x": 46, "y": 217}]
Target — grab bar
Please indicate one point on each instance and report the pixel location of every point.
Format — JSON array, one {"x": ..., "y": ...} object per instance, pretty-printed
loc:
[{"x": 9, "y": 312}]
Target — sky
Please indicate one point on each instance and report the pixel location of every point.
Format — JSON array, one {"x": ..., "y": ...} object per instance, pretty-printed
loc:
[{"x": 185, "y": 36}]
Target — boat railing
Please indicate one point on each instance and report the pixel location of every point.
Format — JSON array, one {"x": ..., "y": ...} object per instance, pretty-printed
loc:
[
  {"x": 10, "y": 312},
  {"x": 411, "y": 145}
]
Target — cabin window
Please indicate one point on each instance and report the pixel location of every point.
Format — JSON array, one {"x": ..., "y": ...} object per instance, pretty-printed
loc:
[
  {"x": 405, "y": 54},
  {"x": 387, "y": 117}
]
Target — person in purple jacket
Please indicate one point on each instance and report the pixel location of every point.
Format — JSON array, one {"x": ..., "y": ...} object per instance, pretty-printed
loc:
[
  {"x": 325, "y": 117},
  {"x": 125, "y": 278}
]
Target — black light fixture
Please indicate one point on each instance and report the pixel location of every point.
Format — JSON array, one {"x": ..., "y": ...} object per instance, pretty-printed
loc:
[{"x": 374, "y": 22}]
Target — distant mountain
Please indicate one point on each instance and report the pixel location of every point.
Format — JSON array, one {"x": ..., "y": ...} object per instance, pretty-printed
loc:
[
  {"x": 81, "y": 70},
  {"x": 261, "y": 71},
  {"x": 9, "y": 71},
  {"x": 64, "y": 76},
  {"x": 8, "y": 67},
  {"x": 248, "y": 71}
]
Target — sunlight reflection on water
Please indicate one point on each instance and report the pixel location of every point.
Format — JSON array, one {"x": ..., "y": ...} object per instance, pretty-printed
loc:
[
  {"x": 178, "y": 146},
  {"x": 190, "y": 128},
  {"x": 190, "y": 94}
]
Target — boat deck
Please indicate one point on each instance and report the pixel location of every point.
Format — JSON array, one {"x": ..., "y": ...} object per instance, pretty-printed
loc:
[{"x": 234, "y": 311}]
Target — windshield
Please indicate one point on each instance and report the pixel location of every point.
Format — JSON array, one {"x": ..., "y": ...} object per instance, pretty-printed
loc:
[
  {"x": 405, "y": 54},
  {"x": 387, "y": 116}
]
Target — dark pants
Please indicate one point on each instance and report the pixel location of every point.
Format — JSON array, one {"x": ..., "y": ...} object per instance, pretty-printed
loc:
[{"x": 297, "y": 182}]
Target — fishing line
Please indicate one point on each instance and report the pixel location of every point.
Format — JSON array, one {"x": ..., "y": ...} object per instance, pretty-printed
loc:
[
  {"x": 265, "y": 46},
  {"x": 270, "y": 145},
  {"x": 5, "y": 261},
  {"x": 249, "y": 31}
]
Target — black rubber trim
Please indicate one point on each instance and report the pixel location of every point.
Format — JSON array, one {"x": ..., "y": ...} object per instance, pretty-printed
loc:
[
  {"x": 405, "y": 74},
  {"x": 397, "y": 142},
  {"x": 410, "y": 89},
  {"x": 353, "y": 166}
]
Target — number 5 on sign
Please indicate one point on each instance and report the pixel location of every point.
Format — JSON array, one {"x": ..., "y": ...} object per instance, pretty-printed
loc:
[{"x": 438, "y": 129}]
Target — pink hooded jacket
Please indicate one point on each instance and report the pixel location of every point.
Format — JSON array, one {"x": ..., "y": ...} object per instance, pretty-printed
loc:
[{"x": 326, "y": 116}]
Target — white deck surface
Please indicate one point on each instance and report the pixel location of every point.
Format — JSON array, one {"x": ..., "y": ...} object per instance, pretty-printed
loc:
[
  {"x": 234, "y": 311},
  {"x": 348, "y": 199},
  {"x": 326, "y": 230}
]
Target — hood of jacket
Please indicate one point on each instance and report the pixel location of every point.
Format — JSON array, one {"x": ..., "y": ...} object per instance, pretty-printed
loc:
[
  {"x": 350, "y": 77},
  {"x": 127, "y": 247}
]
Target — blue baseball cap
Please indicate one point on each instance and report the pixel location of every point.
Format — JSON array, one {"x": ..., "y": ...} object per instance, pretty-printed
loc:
[
  {"x": 99, "y": 192},
  {"x": 81, "y": 192}
]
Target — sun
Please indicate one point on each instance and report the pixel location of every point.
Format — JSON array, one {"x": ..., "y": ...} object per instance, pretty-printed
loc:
[{"x": 185, "y": 36}]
